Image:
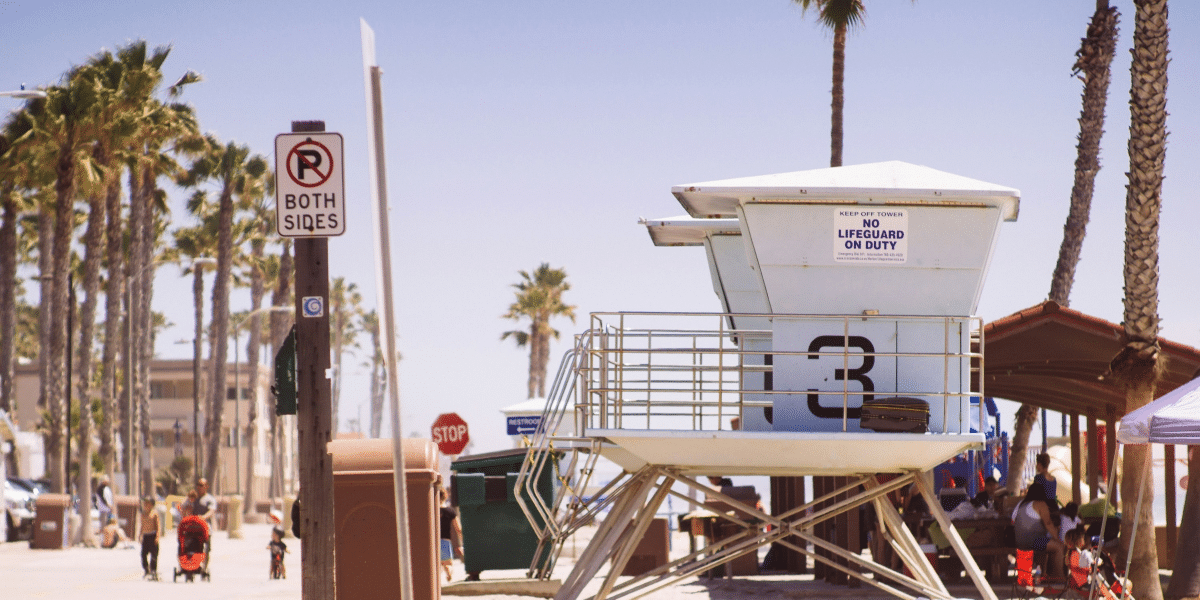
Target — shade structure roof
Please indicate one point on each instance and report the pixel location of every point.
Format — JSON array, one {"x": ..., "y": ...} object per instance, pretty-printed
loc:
[
  {"x": 884, "y": 183},
  {"x": 1054, "y": 357}
]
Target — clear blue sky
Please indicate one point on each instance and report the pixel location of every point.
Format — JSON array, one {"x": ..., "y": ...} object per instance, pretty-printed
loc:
[{"x": 529, "y": 131}]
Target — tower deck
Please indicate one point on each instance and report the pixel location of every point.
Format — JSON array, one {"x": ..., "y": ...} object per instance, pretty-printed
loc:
[{"x": 780, "y": 453}]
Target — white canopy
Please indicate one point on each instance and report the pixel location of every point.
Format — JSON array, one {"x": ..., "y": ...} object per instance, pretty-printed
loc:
[{"x": 1172, "y": 419}]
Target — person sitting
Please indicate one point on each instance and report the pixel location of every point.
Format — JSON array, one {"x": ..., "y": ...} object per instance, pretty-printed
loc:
[
  {"x": 112, "y": 534},
  {"x": 1068, "y": 519},
  {"x": 1047, "y": 481},
  {"x": 990, "y": 493},
  {"x": 1035, "y": 530}
]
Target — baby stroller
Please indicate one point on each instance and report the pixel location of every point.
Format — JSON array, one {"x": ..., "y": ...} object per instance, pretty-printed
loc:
[
  {"x": 193, "y": 536},
  {"x": 1108, "y": 580}
]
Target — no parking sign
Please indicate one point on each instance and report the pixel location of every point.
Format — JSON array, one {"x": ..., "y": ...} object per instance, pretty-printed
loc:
[{"x": 310, "y": 190}]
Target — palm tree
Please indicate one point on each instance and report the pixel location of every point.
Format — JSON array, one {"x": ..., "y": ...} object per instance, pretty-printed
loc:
[
  {"x": 279, "y": 270},
  {"x": 128, "y": 78},
  {"x": 539, "y": 299},
  {"x": 236, "y": 173},
  {"x": 1093, "y": 65},
  {"x": 840, "y": 16},
  {"x": 261, "y": 227},
  {"x": 369, "y": 322},
  {"x": 64, "y": 124},
  {"x": 196, "y": 245},
  {"x": 1138, "y": 364},
  {"x": 163, "y": 129},
  {"x": 345, "y": 306},
  {"x": 1185, "y": 579},
  {"x": 18, "y": 173},
  {"x": 1094, "y": 61}
]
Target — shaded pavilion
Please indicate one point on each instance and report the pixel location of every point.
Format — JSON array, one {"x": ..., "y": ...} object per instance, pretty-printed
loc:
[{"x": 1056, "y": 358}]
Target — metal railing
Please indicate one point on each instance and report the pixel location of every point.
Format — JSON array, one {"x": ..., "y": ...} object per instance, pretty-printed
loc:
[
  {"x": 690, "y": 377},
  {"x": 628, "y": 371}
]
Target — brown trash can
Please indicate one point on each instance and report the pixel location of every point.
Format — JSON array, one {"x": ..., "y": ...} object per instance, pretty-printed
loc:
[
  {"x": 366, "y": 557},
  {"x": 652, "y": 550},
  {"x": 129, "y": 512},
  {"x": 50, "y": 529}
]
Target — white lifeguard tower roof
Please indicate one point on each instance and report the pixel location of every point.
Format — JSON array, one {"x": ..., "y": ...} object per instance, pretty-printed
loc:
[
  {"x": 688, "y": 231},
  {"x": 884, "y": 183}
]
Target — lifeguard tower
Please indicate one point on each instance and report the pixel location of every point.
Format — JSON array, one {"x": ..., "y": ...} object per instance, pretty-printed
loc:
[{"x": 839, "y": 286}]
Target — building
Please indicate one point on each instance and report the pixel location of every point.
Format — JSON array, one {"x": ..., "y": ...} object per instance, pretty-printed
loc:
[{"x": 171, "y": 425}]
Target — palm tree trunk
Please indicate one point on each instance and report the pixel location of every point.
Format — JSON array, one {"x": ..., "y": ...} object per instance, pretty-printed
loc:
[
  {"x": 92, "y": 240},
  {"x": 45, "y": 253},
  {"x": 198, "y": 387},
  {"x": 1025, "y": 419},
  {"x": 112, "y": 326},
  {"x": 1138, "y": 363},
  {"x": 8, "y": 300},
  {"x": 280, "y": 324},
  {"x": 133, "y": 314},
  {"x": 64, "y": 188},
  {"x": 533, "y": 356},
  {"x": 1185, "y": 580},
  {"x": 218, "y": 342},
  {"x": 253, "y": 347},
  {"x": 144, "y": 340},
  {"x": 1094, "y": 61},
  {"x": 839, "y": 94},
  {"x": 544, "y": 363},
  {"x": 338, "y": 328}
]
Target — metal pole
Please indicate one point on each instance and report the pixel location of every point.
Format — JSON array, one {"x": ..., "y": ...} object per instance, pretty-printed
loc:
[
  {"x": 383, "y": 285},
  {"x": 129, "y": 470},
  {"x": 70, "y": 361},
  {"x": 237, "y": 413}
]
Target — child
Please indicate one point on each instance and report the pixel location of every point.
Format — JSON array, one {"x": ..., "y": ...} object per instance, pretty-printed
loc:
[
  {"x": 149, "y": 539},
  {"x": 1079, "y": 564},
  {"x": 1068, "y": 519},
  {"x": 112, "y": 534},
  {"x": 278, "y": 549}
]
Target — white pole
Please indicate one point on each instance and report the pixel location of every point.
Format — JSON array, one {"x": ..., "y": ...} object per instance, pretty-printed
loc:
[
  {"x": 1137, "y": 515},
  {"x": 383, "y": 290}
]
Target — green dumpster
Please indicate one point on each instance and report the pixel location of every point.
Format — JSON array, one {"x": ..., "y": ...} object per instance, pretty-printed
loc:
[{"x": 496, "y": 534}]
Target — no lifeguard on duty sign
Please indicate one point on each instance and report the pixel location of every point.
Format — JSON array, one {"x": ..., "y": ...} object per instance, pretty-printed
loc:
[{"x": 310, "y": 190}]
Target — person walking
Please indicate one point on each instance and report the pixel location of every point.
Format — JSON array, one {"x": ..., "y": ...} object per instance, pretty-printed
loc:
[
  {"x": 150, "y": 527},
  {"x": 450, "y": 533},
  {"x": 205, "y": 507}
]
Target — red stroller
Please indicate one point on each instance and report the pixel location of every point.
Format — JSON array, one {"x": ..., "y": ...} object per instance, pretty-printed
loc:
[{"x": 193, "y": 538}]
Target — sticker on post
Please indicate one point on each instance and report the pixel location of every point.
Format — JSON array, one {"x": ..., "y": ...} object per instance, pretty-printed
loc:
[{"x": 313, "y": 307}]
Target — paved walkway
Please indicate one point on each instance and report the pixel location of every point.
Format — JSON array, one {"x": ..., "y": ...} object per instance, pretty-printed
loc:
[{"x": 239, "y": 570}]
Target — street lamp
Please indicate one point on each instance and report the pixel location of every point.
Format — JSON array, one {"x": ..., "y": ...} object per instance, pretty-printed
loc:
[
  {"x": 237, "y": 388},
  {"x": 24, "y": 94}
]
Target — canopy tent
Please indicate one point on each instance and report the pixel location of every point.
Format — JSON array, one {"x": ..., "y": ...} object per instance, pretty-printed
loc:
[{"x": 1174, "y": 418}]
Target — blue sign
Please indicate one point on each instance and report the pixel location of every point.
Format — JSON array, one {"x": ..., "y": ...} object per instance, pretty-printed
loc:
[{"x": 523, "y": 425}]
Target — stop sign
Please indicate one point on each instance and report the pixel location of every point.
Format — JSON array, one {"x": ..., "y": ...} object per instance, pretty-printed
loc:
[{"x": 449, "y": 432}]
